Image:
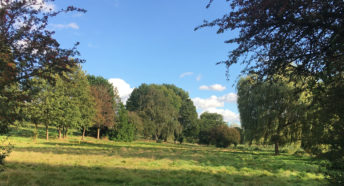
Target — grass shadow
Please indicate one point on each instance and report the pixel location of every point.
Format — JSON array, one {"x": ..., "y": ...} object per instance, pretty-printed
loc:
[{"x": 44, "y": 174}]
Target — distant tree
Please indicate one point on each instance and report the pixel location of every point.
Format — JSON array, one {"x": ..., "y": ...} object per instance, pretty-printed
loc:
[
  {"x": 223, "y": 136},
  {"x": 209, "y": 121},
  {"x": 101, "y": 81},
  {"x": 106, "y": 99},
  {"x": 125, "y": 130},
  {"x": 83, "y": 99},
  {"x": 158, "y": 107},
  {"x": 137, "y": 122},
  {"x": 105, "y": 114},
  {"x": 187, "y": 116},
  {"x": 188, "y": 120}
]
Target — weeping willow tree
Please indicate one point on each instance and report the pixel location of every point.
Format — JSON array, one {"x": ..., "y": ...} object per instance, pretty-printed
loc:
[{"x": 271, "y": 110}]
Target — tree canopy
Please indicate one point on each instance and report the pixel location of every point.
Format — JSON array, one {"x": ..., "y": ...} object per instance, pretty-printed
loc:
[{"x": 274, "y": 34}]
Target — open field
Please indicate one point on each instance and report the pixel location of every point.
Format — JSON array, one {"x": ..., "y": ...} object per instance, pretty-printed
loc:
[{"x": 91, "y": 162}]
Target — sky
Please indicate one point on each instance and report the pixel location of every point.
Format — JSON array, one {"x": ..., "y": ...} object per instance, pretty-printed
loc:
[{"x": 130, "y": 42}]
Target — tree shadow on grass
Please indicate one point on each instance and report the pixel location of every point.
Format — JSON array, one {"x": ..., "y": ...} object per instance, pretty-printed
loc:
[
  {"x": 196, "y": 156},
  {"x": 45, "y": 174}
]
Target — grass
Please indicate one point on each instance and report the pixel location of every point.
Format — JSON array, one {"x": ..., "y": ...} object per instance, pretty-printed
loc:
[{"x": 91, "y": 162}]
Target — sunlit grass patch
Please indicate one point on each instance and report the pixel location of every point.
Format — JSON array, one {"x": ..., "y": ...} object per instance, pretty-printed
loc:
[{"x": 102, "y": 162}]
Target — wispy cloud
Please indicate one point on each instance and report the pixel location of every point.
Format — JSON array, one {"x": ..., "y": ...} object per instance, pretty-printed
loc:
[
  {"x": 91, "y": 45},
  {"x": 215, "y": 87},
  {"x": 199, "y": 77},
  {"x": 185, "y": 74},
  {"x": 66, "y": 26}
]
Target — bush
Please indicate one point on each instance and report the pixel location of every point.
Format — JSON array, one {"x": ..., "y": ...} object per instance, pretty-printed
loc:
[
  {"x": 204, "y": 137},
  {"x": 335, "y": 171},
  {"x": 223, "y": 136},
  {"x": 5, "y": 149}
]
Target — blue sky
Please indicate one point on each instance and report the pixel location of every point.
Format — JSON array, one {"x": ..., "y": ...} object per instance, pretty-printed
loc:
[{"x": 153, "y": 41}]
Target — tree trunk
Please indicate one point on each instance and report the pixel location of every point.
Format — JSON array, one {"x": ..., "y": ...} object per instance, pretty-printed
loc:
[
  {"x": 36, "y": 132},
  {"x": 60, "y": 133},
  {"x": 46, "y": 132},
  {"x": 66, "y": 132},
  {"x": 83, "y": 134},
  {"x": 63, "y": 132},
  {"x": 276, "y": 148},
  {"x": 98, "y": 133}
]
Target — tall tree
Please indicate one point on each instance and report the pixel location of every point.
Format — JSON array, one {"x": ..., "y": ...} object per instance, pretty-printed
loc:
[
  {"x": 158, "y": 107},
  {"x": 271, "y": 110},
  {"x": 187, "y": 115},
  {"x": 105, "y": 114},
  {"x": 85, "y": 100},
  {"x": 125, "y": 130},
  {"x": 106, "y": 99}
]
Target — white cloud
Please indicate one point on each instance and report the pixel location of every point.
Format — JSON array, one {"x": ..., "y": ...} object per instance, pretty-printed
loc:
[
  {"x": 124, "y": 89},
  {"x": 185, "y": 74},
  {"x": 66, "y": 26},
  {"x": 213, "y": 103},
  {"x": 228, "y": 115},
  {"x": 199, "y": 77},
  {"x": 229, "y": 98},
  {"x": 215, "y": 87}
]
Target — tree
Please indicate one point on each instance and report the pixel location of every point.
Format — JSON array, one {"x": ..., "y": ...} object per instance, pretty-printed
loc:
[
  {"x": 187, "y": 116},
  {"x": 137, "y": 122},
  {"x": 223, "y": 136},
  {"x": 125, "y": 130},
  {"x": 107, "y": 102},
  {"x": 158, "y": 107},
  {"x": 274, "y": 34},
  {"x": 105, "y": 114},
  {"x": 209, "y": 121},
  {"x": 271, "y": 110},
  {"x": 85, "y": 100},
  {"x": 28, "y": 49}
]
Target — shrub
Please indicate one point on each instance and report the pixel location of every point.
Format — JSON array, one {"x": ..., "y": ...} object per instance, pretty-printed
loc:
[
  {"x": 223, "y": 136},
  {"x": 5, "y": 149},
  {"x": 335, "y": 171}
]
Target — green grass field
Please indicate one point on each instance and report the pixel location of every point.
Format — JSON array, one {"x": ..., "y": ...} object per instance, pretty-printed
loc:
[{"x": 91, "y": 162}]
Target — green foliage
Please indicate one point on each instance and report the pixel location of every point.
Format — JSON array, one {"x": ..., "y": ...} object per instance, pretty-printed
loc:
[
  {"x": 275, "y": 33},
  {"x": 159, "y": 107},
  {"x": 38, "y": 56},
  {"x": 125, "y": 130},
  {"x": 101, "y": 81},
  {"x": 272, "y": 110},
  {"x": 223, "y": 136},
  {"x": 66, "y": 103},
  {"x": 335, "y": 171},
  {"x": 5, "y": 150},
  {"x": 11, "y": 106},
  {"x": 188, "y": 120},
  {"x": 208, "y": 123}
]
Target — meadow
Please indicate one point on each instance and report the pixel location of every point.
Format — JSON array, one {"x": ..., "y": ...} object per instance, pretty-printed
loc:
[{"x": 102, "y": 162}]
